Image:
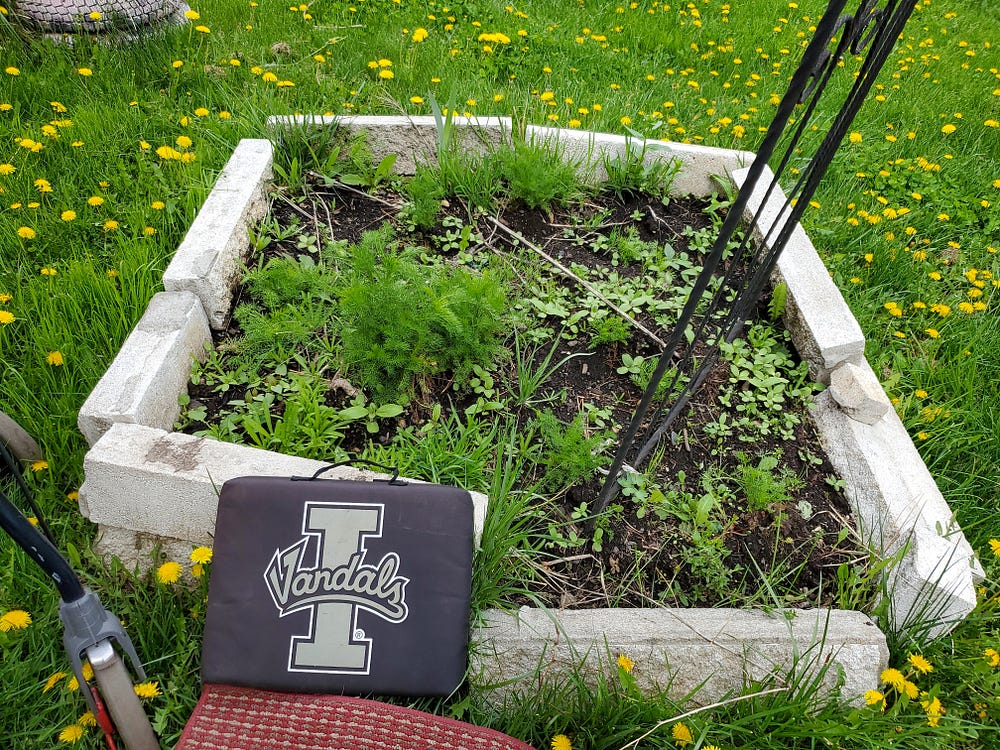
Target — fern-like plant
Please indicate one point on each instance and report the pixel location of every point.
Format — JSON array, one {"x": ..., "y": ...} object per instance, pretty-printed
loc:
[{"x": 403, "y": 321}]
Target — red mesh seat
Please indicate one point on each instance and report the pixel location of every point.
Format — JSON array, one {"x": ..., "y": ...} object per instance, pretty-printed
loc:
[{"x": 232, "y": 718}]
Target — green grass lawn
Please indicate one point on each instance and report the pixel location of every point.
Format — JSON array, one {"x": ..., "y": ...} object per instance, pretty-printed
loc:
[{"x": 107, "y": 151}]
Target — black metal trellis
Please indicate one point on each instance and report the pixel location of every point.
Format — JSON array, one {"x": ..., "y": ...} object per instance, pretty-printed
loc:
[{"x": 873, "y": 29}]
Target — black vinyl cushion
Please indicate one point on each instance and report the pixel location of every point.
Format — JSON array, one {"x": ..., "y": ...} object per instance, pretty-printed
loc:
[{"x": 334, "y": 586}]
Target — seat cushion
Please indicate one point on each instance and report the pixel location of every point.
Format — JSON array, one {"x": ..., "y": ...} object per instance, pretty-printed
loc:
[
  {"x": 341, "y": 587},
  {"x": 233, "y": 718}
]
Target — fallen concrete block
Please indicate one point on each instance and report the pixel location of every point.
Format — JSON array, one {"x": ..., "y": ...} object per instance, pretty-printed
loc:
[{"x": 858, "y": 392}]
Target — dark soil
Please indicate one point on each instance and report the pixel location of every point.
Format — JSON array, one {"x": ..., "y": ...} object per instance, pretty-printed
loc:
[{"x": 778, "y": 538}]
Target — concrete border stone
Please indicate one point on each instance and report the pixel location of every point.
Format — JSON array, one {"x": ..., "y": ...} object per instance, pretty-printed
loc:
[
  {"x": 413, "y": 139},
  {"x": 707, "y": 654},
  {"x": 822, "y": 326},
  {"x": 207, "y": 262},
  {"x": 699, "y": 164},
  {"x": 900, "y": 510},
  {"x": 151, "y": 369},
  {"x": 178, "y": 476}
]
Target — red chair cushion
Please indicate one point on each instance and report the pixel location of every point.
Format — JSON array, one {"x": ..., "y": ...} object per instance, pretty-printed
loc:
[{"x": 233, "y": 718}]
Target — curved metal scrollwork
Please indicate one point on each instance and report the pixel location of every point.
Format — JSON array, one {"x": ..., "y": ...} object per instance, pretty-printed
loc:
[{"x": 872, "y": 30}]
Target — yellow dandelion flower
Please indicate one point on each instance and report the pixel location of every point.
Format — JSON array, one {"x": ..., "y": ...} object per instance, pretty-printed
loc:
[
  {"x": 15, "y": 619},
  {"x": 948, "y": 129},
  {"x": 95, "y": 15},
  {"x": 202, "y": 111},
  {"x": 192, "y": 15},
  {"x": 6, "y": 169},
  {"x": 147, "y": 689},
  {"x": 169, "y": 572},
  {"x": 992, "y": 657},
  {"x": 11, "y": 71},
  {"x": 625, "y": 663},
  {"x": 202, "y": 29},
  {"x": 932, "y": 333},
  {"x": 681, "y": 734},
  {"x": 52, "y": 681},
  {"x": 419, "y": 34},
  {"x": 95, "y": 201},
  {"x": 110, "y": 225},
  {"x": 920, "y": 664},
  {"x": 386, "y": 74},
  {"x": 874, "y": 697},
  {"x": 26, "y": 233},
  {"x": 417, "y": 100},
  {"x": 626, "y": 120},
  {"x": 894, "y": 677},
  {"x": 85, "y": 72},
  {"x": 68, "y": 215},
  {"x": 88, "y": 671},
  {"x": 87, "y": 720},
  {"x": 197, "y": 570},
  {"x": 183, "y": 141},
  {"x": 561, "y": 742},
  {"x": 995, "y": 546},
  {"x": 6, "y": 317},
  {"x": 201, "y": 555},
  {"x": 55, "y": 359},
  {"x": 72, "y": 734},
  {"x": 856, "y": 137}
]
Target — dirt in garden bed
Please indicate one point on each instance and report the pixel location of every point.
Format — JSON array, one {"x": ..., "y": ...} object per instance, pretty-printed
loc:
[{"x": 794, "y": 550}]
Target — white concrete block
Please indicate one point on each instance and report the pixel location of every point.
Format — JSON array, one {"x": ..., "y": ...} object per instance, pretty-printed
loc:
[
  {"x": 137, "y": 551},
  {"x": 414, "y": 139},
  {"x": 932, "y": 589},
  {"x": 208, "y": 260},
  {"x": 897, "y": 505},
  {"x": 166, "y": 483},
  {"x": 714, "y": 652},
  {"x": 152, "y": 368},
  {"x": 699, "y": 163},
  {"x": 822, "y": 326},
  {"x": 858, "y": 393}
]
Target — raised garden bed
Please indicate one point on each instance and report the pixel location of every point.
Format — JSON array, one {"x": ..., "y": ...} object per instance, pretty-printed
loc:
[
  {"x": 741, "y": 507},
  {"x": 130, "y": 416}
]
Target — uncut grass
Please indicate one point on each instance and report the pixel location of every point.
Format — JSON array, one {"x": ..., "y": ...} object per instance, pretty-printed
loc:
[{"x": 76, "y": 313}]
